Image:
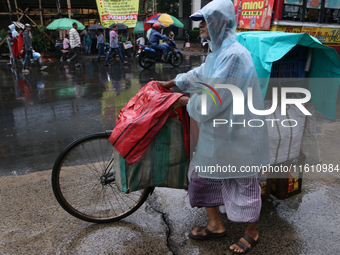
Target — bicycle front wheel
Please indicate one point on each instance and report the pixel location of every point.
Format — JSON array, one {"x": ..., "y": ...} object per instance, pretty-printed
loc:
[{"x": 83, "y": 181}]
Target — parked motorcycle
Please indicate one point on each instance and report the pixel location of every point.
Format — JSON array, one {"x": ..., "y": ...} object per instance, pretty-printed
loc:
[{"x": 149, "y": 56}]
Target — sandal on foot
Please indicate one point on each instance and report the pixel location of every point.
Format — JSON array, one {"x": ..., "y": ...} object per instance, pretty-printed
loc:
[
  {"x": 245, "y": 247},
  {"x": 204, "y": 233}
]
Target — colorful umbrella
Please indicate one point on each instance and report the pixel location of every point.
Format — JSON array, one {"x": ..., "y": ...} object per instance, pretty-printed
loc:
[
  {"x": 167, "y": 20},
  {"x": 154, "y": 21},
  {"x": 64, "y": 23}
]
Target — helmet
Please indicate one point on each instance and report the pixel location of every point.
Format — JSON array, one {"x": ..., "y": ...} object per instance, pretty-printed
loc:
[
  {"x": 27, "y": 25},
  {"x": 156, "y": 26}
]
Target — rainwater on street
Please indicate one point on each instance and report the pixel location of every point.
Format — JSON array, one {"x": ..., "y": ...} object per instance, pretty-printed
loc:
[{"x": 43, "y": 111}]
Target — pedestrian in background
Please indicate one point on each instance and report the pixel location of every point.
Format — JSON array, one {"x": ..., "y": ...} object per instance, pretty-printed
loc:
[
  {"x": 100, "y": 44},
  {"x": 125, "y": 36},
  {"x": 93, "y": 35},
  {"x": 27, "y": 47},
  {"x": 82, "y": 39},
  {"x": 187, "y": 39},
  {"x": 14, "y": 42},
  {"x": 87, "y": 43},
  {"x": 10, "y": 44},
  {"x": 114, "y": 46},
  {"x": 124, "y": 40},
  {"x": 140, "y": 40},
  {"x": 172, "y": 35},
  {"x": 66, "y": 48},
  {"x": 20, "y": 44},
  {"x": 66, "y": 43},
  {"x": 37, "y": 59},
  {"x": 75, "y": 44}
]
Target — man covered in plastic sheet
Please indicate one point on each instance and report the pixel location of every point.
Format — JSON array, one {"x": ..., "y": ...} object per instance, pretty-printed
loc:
[{"x": 227, "y": 139}]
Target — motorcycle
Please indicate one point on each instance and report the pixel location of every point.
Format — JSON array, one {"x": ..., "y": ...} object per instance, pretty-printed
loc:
[{"x": 149, "y": 56}]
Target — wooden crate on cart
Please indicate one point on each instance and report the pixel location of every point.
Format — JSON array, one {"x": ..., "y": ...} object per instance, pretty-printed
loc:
[{"x": 288, "y": 184}]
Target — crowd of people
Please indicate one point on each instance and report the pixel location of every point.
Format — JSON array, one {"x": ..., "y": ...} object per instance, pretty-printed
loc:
[
  {"x": 20, "y": 48},
  {"x": 78, "y": 43},
  {"x": 119, "y": 45},
  {"x": 88, "y": 41}
]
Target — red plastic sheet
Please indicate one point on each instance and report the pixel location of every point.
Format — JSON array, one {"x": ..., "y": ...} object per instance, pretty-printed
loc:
[{"x": 140, "y": 120}]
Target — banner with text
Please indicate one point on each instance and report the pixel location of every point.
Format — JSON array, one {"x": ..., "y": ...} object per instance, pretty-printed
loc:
[
  {"x": 118, "y": 11},
  {"x": 324, "y": 35},
  {"x": 252, "y": 14}
]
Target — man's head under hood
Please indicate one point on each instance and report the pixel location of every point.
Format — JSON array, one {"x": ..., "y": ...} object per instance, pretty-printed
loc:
[{"x": 219, "y": 16}]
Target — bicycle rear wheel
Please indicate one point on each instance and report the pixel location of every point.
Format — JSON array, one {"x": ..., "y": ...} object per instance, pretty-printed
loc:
[{"x": 83, "y": 181}]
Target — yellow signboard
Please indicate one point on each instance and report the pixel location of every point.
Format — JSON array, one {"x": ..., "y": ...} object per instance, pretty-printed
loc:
[
  {"x": 324, "y": 35},
  {"x": 118, "y": 11}
]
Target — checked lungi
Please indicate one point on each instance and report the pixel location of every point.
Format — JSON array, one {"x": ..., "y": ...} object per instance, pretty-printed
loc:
[{"x": 239, "y": 198}]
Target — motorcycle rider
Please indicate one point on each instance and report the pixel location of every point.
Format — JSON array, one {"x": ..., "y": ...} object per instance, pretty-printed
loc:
[{"x": 155, "y": 36}]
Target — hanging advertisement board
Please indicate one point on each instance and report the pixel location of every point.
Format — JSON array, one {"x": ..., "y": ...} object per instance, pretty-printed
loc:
[
  {"x": 118, "y": 11},
  {"x": 251, "y": 14}
]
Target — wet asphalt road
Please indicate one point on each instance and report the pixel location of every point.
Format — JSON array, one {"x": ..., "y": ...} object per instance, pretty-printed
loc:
[{"x": 41, "y": 113}]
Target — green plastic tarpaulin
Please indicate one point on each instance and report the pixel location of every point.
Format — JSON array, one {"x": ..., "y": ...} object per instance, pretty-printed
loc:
[
  {"x": 139, "y": 28},
  {"x": 268, "y": 47}
]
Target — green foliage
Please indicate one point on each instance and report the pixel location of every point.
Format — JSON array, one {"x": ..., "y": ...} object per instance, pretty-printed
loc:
[
  {"x": 4, "y": 46},
  {"x": 40, "y": 41},
  {"x": 169, "y": 7},
  {"x": 142, "y": 6}
]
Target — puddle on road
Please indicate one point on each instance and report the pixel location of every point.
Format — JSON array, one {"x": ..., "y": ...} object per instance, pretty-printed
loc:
[{"x": 42, "y": 112}]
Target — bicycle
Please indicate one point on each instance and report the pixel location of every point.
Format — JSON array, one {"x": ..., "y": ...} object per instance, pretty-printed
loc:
[{"x": 83, "y": 181}]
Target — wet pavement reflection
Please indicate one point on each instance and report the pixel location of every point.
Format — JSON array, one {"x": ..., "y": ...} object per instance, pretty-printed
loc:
[{"x": 44, "y": 111}]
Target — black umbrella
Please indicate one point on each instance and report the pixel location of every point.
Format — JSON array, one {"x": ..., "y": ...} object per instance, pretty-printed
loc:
[
  {"x": 119, "y": 25},
  {"x": 96, "y": 27}
]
